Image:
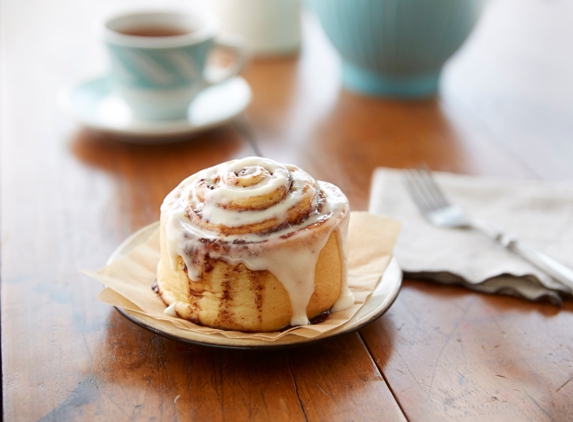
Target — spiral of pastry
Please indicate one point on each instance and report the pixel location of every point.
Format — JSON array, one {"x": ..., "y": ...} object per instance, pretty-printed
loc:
[
  {"x": 252, "y": 195},
  {"x": 253, "y": 215}
]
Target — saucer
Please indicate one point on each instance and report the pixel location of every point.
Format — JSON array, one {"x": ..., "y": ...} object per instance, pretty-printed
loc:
[
  {"x": 96, "y": 105},
  {"x": 374, "y": 307}
]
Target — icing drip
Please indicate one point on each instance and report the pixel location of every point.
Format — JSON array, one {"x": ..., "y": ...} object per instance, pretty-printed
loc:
[
  {"x": 170, "y": 310},
  {"x": 256, "y": 212}
]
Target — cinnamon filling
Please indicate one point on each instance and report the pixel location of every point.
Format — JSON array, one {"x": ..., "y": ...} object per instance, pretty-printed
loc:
[{"x": 251, "y": 212}]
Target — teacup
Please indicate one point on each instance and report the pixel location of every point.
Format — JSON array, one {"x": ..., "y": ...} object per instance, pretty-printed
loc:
[
  {"x": 158, "y": 59},
  {"x": 395, "y": 48}
]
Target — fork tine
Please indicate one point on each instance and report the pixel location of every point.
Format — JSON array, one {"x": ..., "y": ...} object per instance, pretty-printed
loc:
[
  {"x": 432, "y": 187},
  {"x": 426, "y": 201},
  {"x": 420, "y": 193},
  {"x": 424, "y": 190},
  {"x": 417, "y": 194}
]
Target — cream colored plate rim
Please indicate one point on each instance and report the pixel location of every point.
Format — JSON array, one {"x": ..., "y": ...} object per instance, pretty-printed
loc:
[{"x": 375, "y": 306}]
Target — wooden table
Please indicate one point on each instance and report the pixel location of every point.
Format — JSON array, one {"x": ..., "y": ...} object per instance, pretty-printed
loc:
[{"x": 69, "y": 197}]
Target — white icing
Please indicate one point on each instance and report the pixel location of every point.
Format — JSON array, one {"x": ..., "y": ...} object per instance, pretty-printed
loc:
[
  {"x": 224, "y": 194},
  {"x": 170, "y": 310},
  {"x": 275, "y": 251},
  {"x": 214, "y": 200}
]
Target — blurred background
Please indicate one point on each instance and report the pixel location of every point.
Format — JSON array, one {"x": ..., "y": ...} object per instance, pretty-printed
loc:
[
  {"x": 490, "y": 93},
  {"x": 508, "y": 66}
]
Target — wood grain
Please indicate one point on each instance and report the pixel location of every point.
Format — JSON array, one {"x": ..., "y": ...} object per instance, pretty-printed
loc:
[
  {"x": 69, "y": 196},
  {"x": 336, "y": 381},
  {"x": 472, "y": 356},
  {"x": 445, "y": 352}
]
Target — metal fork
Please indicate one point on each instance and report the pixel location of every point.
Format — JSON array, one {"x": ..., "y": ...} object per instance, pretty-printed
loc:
[{"x": 436, "y": 208}]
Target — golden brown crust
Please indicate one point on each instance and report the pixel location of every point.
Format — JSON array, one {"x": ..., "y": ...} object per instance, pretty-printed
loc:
[
  {"x": 236, "y": 298},
  {"x": 253, "y": 245}
]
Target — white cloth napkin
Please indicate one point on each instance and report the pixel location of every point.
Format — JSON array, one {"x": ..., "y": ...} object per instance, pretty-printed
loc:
[{"x": 540, "y": 214}]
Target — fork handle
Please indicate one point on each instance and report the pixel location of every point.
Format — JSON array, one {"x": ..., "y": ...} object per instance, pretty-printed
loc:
[{"x": 555, "y": 269}]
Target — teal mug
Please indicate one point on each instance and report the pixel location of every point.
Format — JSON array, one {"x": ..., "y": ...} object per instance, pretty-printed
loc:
[
  {"x": 395, "y": 48},
  {"x": 158, "y": 59}
]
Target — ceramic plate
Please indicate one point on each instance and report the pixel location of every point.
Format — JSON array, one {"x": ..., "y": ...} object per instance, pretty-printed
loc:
[
  {"x": 97, "y": 106},
  {"x": 375, "y": 306}
]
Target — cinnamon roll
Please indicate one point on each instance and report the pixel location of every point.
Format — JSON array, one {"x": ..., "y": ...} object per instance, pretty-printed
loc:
[{"x": 253, "y": 245}]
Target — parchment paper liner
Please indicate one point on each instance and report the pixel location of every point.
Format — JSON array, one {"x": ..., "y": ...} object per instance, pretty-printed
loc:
[{"x": 128, "y": 279}]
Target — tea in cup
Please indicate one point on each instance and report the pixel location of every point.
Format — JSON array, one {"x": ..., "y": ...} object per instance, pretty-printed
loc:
[{"x": 158, "y": 59}]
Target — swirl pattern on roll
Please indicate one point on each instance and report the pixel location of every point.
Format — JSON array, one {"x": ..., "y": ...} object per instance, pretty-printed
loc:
[
  {"x": 250, "y": 211},
  {"x": 252, "y": 195}
]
